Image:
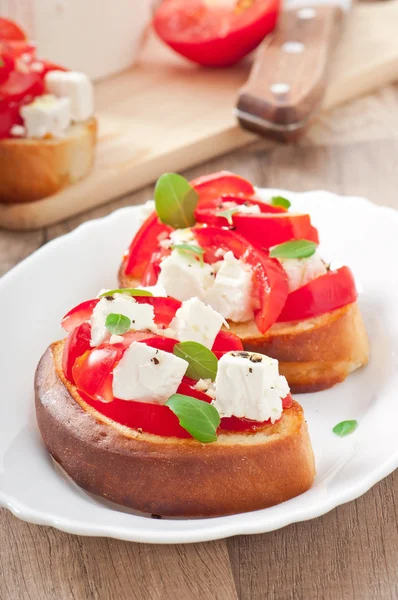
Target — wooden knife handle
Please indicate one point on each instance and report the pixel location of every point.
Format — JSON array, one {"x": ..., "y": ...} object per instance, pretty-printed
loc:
[{"x": 288, "y": 78}]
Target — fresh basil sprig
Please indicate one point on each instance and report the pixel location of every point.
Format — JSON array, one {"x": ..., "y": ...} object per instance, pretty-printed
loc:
[
  {"x": 128, "y": 291},
  {"x": 117, "y": 324},
  {"x": 345, "y": 428},
  {"x": 175, "y": 201},
  {"x": 190, "y": 249},
  {"x": 294, "y": 249},
  {"x": 197, "y": 417},
  {"x": 280, "y": 201},
  {"x": 202, "y": 362},
  {"x": 227, "y": 213}
]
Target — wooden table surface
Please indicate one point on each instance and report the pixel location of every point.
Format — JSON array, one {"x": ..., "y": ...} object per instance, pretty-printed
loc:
[{"x": 350, "y": 553}]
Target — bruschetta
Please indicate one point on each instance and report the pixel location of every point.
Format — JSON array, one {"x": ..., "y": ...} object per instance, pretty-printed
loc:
[
  {"x": 259, "y": 266},
  {"x": 174, "y": 426},
  {"x": 47, "y": 126}
]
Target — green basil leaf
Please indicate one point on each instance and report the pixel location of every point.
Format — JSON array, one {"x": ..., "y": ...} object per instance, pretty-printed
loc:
[
  {"x": 202, "y": 362},
  {"x": 197, "y": 417},
  {"x": 294, "y": 249},
  {"x": 129, "y": 291},
  {"x": 175, "y": 201},
  {"x": 191, "y": 249},
  {"x": 280, "y": 201},
  {"x": 345, "y": 428},
  {"x": 117, "y": 324},
  {"x": 1, "y": 62},
  {"x": 228, "y": 214}
]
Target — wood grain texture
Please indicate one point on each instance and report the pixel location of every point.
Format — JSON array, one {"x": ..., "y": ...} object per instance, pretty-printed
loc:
[
  {"x": 350, "y": 553},
  {"x": 168, "y": 114},
  {"x": 285, "y": 89}
]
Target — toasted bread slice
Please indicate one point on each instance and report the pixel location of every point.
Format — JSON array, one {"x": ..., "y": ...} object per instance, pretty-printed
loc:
[
  {"x": 170, "y": 476},
  {"x": 32, "y": 169},
  {"x": 313, "y": 354}
]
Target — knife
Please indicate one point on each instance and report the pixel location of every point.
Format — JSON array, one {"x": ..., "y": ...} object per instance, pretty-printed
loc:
[{"x": 289, "y": 74}]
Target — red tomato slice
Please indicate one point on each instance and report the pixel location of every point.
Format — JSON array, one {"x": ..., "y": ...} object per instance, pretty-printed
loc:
[
  {"x": 9, "y": 116},
  {"x": 20, "y": 87},
  {"x": 82, "y": 312},
  {"x": 17, "y": 49},
  {"x": 226, "y": 341},
  {"x": 144, "y": 244},
  {"x": 215, "y": 36},
  {"x": 10, "y": 30},
  {"x": 208, "y": 212},
  {"x": 152, "y": 270},
  {"x": 92, "y": 372},
  {"x": 7, "y": 65},
  {"x": 49, "y": 66},
  {"x": 76, "y": 344},
  {"x": 321, "y": 295},
  {"x": 270, "y": 281},
  {"x": 164, "y": 308},
  {"x": 267, "y": 230},
  {"x": 215, "y": 185}
]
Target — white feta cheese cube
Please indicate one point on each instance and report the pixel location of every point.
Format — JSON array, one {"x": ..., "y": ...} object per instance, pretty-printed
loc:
[
  {"x": 147, "y": 374},
  {"x": 46, "y": 116},
  {"x": 249, "y": 385},
  {"x": 75, "y": 86},
  {"x": 302, "y": 270},
  {"x": 183, "y": 276},
  {"x": 141, "y": 316},
  {"x": 231, "y": 293},
  {"x": 196, "y": 322}
]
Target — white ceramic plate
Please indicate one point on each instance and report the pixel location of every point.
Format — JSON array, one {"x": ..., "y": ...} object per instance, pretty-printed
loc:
[{"x": 35, "y": 295}]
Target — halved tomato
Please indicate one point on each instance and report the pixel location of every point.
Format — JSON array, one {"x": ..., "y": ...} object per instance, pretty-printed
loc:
[
  {"x": 328, "y": 292},
  {"x": 215, "y": 34}
]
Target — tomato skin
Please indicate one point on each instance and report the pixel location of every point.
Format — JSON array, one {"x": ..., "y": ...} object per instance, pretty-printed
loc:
[
  {"x": 328, "y": 292},
  {"x": 10, "y": 30},
  {"x": 164, "y": 308},
  {"x": 270, "y": 280},
  {"x": 7, "y": 65},
  {"x": 207, "y": 212},
  {"x": 215, "y": 185},
  {"x": 214, "y": 37},
  {"x": 267, "y": 230},
  {"x": 76, "y": 344},
  {"x": 80, "y": 313},
  {"x": 144, "y": 244},
  {"x": 93, "y": 370},
  {"x": 226, "y": 341}
]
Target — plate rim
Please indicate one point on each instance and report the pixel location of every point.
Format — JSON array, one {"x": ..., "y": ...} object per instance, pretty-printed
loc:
[{"x": 216, "y": 527}]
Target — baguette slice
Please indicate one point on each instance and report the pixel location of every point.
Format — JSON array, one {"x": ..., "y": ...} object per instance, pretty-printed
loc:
[
  {"x": 170, "y": 476},
  {"x": 33, "y": 169},
  {"x": 313, "y": 354}
]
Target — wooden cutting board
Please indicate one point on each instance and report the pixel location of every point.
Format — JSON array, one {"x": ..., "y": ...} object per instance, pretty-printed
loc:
[{"x": 167, "y": 115}]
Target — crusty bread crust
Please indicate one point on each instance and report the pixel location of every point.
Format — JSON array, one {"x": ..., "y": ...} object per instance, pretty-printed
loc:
[
  {"x": 313, "y": 354},
  {"x": 33, "y": 169},
  {"x": 170, "y": 476}
]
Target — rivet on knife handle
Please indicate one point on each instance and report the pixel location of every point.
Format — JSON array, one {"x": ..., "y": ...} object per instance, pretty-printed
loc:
[{"x": 288, "y": 78}]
